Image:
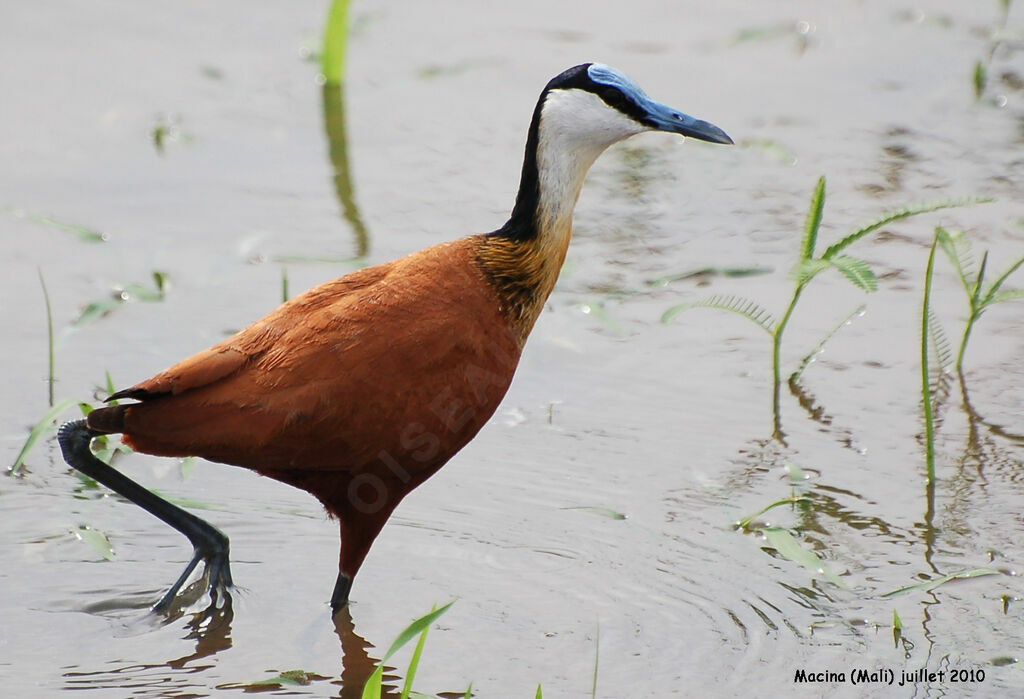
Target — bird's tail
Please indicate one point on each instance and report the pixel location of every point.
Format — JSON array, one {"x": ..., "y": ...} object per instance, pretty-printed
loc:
[{"x": 108, "y": 419}]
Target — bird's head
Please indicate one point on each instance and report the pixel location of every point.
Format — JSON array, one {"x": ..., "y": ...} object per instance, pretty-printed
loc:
[
  {"x": 594, "y": 103},
  {"x": 581, "y": 112}
]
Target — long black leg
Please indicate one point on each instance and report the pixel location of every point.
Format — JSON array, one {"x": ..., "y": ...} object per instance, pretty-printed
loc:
[
  {"x": 209, "y": 543},
  {"x": 341, "y": 589}
]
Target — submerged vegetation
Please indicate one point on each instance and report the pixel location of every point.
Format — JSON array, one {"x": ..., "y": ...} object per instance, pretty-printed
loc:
[
  {"x": 980, "y": 298},
  {"x": 800, "y": 546},
  {"x": 808, "y": 266}
]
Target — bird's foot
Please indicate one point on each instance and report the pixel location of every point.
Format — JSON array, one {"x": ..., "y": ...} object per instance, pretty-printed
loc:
[{"x": 216, "y": 576}]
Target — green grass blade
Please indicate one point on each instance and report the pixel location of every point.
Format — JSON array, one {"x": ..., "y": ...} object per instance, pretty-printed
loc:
[
  {"x": 84, "y": 233},
  {"x": 813, "y": 221},
  {"x": 993, "y": 292},
  {"x": 373, "y": 687},
  {"x": 414, "y": 663},
  {"x": 597, "y": 657},
  {"x": 96, "y": 310},
  {"x": 374, "y": 684},
  {"x": 857, "y": 271},
  {"x": 975, "y": 295},
  {"x": 893, "y": 216},
  {"x": 40, "y": 428},
  {"x": 809, "y": 357},
  {"x": 745, "y": 522},
  {"x": 783, "y": 542},
  {"x": 932, "y": 584},
  {"x": 980, "y": 79},
  {"x": 110, "y": 387},
  {"x": 332, "y": 59},
  {"x": 733, "y": 304},
  {"x": 539, "y": 694},
  {"x": 469, "y": 692},
  {"x": 49, "y": 335},
  {"x": 926, "y": 386}
]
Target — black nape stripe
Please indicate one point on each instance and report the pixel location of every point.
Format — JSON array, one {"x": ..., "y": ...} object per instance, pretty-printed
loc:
[{"x": 522, "y": 225}]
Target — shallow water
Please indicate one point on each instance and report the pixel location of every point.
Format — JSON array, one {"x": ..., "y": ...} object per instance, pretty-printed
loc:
[{"x": 611, "y": 411}]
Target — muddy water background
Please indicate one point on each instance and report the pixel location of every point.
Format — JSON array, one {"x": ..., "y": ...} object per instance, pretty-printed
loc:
[{"x": 668, "y": 424}]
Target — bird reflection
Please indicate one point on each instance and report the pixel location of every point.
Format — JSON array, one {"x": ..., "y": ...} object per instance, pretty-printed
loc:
[
  {"x": 356, "y": 663},
  {"x": 210, "y": 629}
]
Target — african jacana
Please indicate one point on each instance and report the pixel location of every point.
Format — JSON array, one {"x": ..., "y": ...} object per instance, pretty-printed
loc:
[{"x": 363, "y": 387}]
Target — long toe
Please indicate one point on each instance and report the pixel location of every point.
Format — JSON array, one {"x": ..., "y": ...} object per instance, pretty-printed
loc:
[{"x": 218, "y": 571}]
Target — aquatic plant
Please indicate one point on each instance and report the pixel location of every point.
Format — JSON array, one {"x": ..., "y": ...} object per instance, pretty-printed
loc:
[
  {"x": 934, "y": 379},
  {"x": 49, "y": 338},
  {"x": 998, "y": 35},
  {"x": 781, "y": 539},
  {"x": 45, "y": 424},
  {"x": 124, "y": 293},
  {"x": 929, "y": 585},
  {"x": 332, "y": 58},
  {"x": 927, "y": 388},
  {"x": 958, "y": 249},
  {"x": 83, "y": 233},
  {"x": 807, "y": 267},
  {"x": 373, "y": 688}
]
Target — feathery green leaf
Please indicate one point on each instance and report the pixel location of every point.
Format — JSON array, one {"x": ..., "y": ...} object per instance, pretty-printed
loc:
[
  {"x": 942, "y": 352},
  {"x": 806, "y": 270},
  {"x": 857, "y": 271},
  {"x": 750, "y": 310},
  {"x": 809, "y": 357},
  {"x": 892, "y": 216},
  {"x": 813, "y": 221},
  {"x": 958, "y": 249},
  {"x": 1005, "y": 296}
]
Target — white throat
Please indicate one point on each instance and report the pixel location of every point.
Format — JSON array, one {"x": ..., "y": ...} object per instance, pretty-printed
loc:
[{"x": 575, "y": 127}]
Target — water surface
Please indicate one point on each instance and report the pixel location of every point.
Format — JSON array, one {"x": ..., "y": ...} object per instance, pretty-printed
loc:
[{"x": 193, "y": 137}]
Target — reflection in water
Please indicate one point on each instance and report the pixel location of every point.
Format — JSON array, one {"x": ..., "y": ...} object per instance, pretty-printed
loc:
[
  {"x": 975, "y": 420},
  {"x": 211, "y": 631},
  {"x": 337, "y": 140},
  {"x": 356, "y": 663}
]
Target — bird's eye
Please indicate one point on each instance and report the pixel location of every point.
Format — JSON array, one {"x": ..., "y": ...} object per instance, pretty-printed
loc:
[{"x": 613, "y": 97}]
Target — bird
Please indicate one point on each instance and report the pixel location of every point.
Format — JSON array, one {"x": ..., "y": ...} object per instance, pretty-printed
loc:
[{"x": 360, "y": 389}]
